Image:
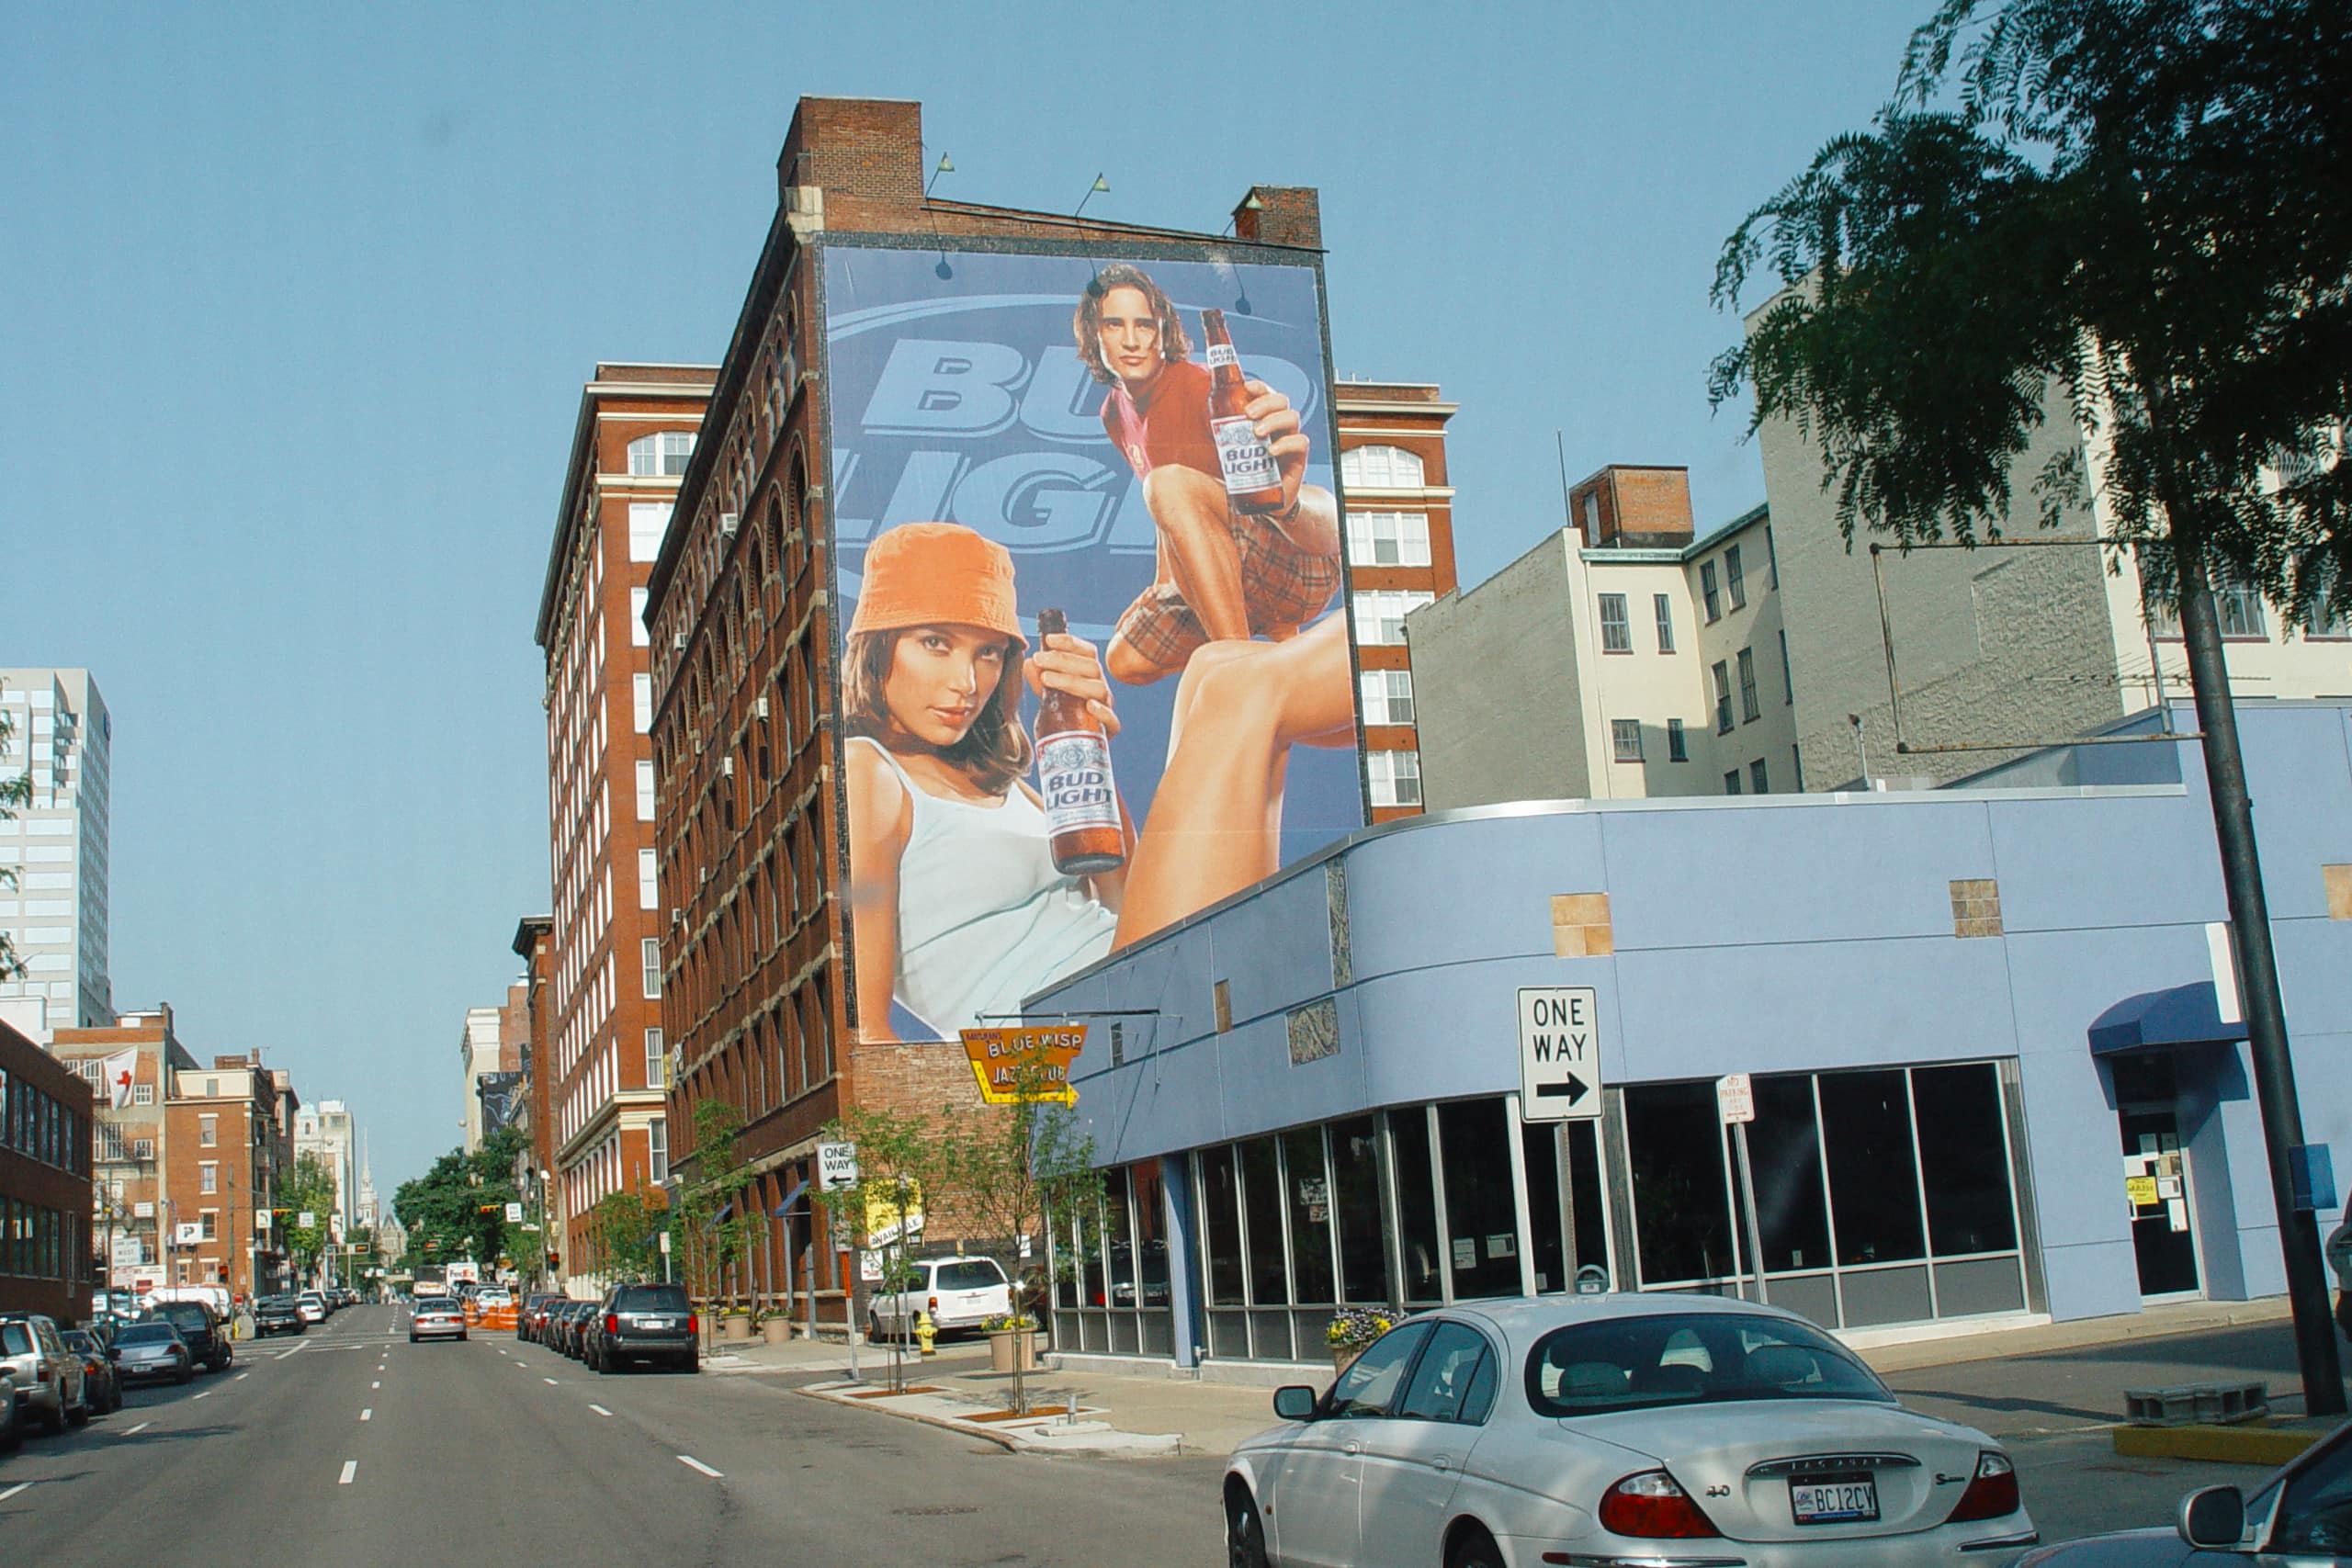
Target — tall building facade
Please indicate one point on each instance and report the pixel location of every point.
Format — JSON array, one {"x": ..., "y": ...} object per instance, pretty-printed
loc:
[
  {"x": 1400, "y": 556},
  {"x": 47, "y": 1206},
  {"x": 477, "y": 1052},
  {"x": 1622, "y": 657},
  {"x": 534, "y": 945},
  {"x": 604, "y": 1066},
  {"x": 57, "y": 914},
  {"x": 324, "y": 1129},
  {"x": 222, "y": 1121},
  {"x": 130, "y": 1064}
]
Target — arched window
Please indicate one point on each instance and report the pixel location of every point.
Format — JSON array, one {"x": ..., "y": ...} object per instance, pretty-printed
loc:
[
  {"x": 663, "y": 452},
  {"x": 1380, "y": 468}
]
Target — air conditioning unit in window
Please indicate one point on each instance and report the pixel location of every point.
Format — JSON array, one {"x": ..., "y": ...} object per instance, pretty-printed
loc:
[
  {"x": 727, "y": 767},
  {"x": 678, "y": 641},
  {"x": 759, "y": 708},
  {"x": 729, "y": 522}
]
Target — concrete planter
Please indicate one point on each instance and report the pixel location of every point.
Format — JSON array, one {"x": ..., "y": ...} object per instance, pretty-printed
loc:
[
  {"x": 776, "y": 1330},
  {"x": 1343, "y": 1356},
  {"x": 735, "y": 1327},
  {"x": 1011, "y": 1350}
]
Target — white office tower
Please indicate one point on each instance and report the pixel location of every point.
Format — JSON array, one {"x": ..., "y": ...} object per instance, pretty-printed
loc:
[{"x": 56, "y": 914}]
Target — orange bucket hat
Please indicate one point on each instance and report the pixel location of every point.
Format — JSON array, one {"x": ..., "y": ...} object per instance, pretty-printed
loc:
[{"x": 924, "y": 574}]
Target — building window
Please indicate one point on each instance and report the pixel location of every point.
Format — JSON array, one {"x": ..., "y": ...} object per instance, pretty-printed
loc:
[
  {"x": 2240, "y": 608},
  {"x": 1708, "y": 592},
  {"x": 212, "y": 1219},
  {"x": 1396, "y": 777},
  {"x": 1730, "y": 781},
  {"x": 645, "y": 791},
  {"x": 1380, "y": 616},
  {"x": 637, "y": 636},
  {"x": 1678, "y": 749},
  {"x": 1626, "y": 739},
  {"x": 647, "y": 521},
  {"x": 657, "y": 1150},
  {"x": 1735, "y": 580},
  {"x": 1749, "y": 709},
  {"x": 1722, "y": 697},
  {"x": 208, "y": 1179},
  {"x": 1787, "y": 675},
  {"x": 1389, "y": 697},
  {"x": 2320, "y": 623},
  {"x": 1616, "y": 632},
  {"x": 641, "y": 696},
  {"x": 207, "y": 1131},
  {"x": 649, "y": 884},
  {"x": 1380, "y": 467},
  {"x": 649, "y": 957},
  {"x": 1388, "y": 538},
  {"x": 657, "y": 1061},
  {"x": 1759, "y": 780},
  {"x": 1664, "y": 603},
  {"x": 143, "y": 1094},
  {"x": 663, "y": 453}
]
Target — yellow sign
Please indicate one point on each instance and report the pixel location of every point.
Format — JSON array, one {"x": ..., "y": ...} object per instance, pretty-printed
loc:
[
  {"x": 2141, "y": 1191},
  {"x": 884, "y": 1211},
  {"x": 1002, "y": 1060}
]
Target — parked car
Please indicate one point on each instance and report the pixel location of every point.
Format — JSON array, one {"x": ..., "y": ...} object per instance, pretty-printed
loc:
[
  {"x": 532, "y": 1321},
  {"x": 958, "y": 1292},
  {"x": 208, "y": 1339},
  {"x": 12, "y": 1428},
  {"x": 50, "y": 1381},
  {"x": 2301, "y": 1514},
  {"x": 278, "y": 1314},
  {"x": 576, "y": 1329},
  {"x": 101, "y": 1388},
  {"x": 152, "y": 1351},
  {"x": 1618, "y": 1428},
  {"x": 651, "y": 1323},
  {"x": 313, "y": 1306},
  {"x": 436, "y": 1319}
]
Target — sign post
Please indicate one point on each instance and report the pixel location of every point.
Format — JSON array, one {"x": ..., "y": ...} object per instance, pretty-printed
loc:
[
  {"x": 836, "y": 1172},
  {"x": 1559, "y": 1054},
  {"x": 1735, "y": 1104}
]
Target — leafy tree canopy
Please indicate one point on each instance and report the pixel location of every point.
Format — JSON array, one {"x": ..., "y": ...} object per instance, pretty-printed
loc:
[
  {"x": 309, "y": 1189},
  {"x": 457, "y": 1209}
]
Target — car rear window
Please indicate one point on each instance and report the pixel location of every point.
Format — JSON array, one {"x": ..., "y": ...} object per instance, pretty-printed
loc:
[
  {"x": 976, "y": 1275},
  {"x": 650, "y": 1298},
  {"x": 148, "y": 1334},
  {"x": 1644, "y": 1361},
  {"x": 184, "y": 1314},
  {"x": 16, "y": 1339}
]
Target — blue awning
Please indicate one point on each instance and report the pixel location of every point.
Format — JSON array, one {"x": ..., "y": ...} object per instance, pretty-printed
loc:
[
  {"x": 2181, "y": 1015},
  {"x": 781, "y": 1210}
]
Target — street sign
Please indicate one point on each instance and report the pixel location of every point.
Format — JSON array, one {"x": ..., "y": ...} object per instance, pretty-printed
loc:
[
  {"x": 1736, "y": 1099},
  {"x": 1002, "y": 1059},
  {"x": 261, "y": 1219},
  {"x": 1559, "y": 1054},
  {"x": 665, "y": 1242},
  {"x": 836, "y": 1166},
  {"x": 128, "y": 1254},
  {"x": 187, "y": 1235},
  {"x": 513, "y": 1214},
  {"x": 307, "y": 1219}
]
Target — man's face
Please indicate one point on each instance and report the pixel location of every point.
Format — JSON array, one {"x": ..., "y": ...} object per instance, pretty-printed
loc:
[{"x": 1130, "y": 338}]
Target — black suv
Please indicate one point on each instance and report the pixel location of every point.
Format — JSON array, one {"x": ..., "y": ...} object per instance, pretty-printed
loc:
[
  {"x": 655, "y": 1321},
  {"x": 278, "y": 1314},
  {"x": 206, "y": 1341}
]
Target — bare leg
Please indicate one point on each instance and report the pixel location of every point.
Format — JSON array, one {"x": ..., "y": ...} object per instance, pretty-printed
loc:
[
  {"x": 1316, "y": 526},
  {"x": 1197, "y": 556},
  {"x": 1216, "y": 819}
]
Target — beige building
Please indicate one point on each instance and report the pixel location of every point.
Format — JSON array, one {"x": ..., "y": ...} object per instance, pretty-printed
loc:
[{"x": 1623, "y": 657}]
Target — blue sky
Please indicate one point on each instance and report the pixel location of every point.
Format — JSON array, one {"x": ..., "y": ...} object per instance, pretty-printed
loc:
[{"x": 296, "y": 302}]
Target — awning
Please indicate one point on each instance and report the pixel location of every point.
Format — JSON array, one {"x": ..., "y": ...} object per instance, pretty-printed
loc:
[
  {"x": 2182, "y": 1015},
  {"x": 785, "y": 1208}
]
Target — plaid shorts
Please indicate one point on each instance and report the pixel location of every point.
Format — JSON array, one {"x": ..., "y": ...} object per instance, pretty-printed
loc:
[{"x": 1282, "y": 585}]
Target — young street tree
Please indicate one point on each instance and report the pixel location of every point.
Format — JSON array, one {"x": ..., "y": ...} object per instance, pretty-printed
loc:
[
  {"x": 309, "y": 1189},
  {"x": 2139, "y": 202}
]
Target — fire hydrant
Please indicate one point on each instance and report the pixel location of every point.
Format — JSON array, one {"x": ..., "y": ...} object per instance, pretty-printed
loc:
[{"x": 926, "y": 1333}]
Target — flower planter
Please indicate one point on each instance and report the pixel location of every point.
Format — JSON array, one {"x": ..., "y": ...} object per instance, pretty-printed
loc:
[
  {"x": 776, "y": 1330},
  {"x": 1012, "y": 1350},
  {"x": 1343, "y": 1356},
  {"x": 735, "y": 1327}
]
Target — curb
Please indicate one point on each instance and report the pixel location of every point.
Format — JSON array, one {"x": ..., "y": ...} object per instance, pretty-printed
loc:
[
  {"x": 1002, "y": 1439},
  {"x": 1133, "y": 1445},
  {"x": 2266, "y": 1446}
]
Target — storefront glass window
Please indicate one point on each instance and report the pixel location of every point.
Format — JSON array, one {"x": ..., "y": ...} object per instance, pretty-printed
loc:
[
  {"x": 1545, "y": 1247},
  {"x": 1355, "y": 1199},
  {"x": 1151, "y": 1234},
  {"x": 1261, "y": 1203},
  {"x": 1221, "y": 1225},
  {"x": 1966, "y": 1159},
  {"x": 1120, "y": 1237},
  {"x": 1310, "y": 1215},
  {"x": 1481, "y": 1218},
  {"x": 1784, "y": 1148},
  {"x": 1681, "y": 1219},
  {"x": 1589, "y": 1196},
  {"x": 1874, "y": 1181},
  {"x": 1408, "y": 1138}
]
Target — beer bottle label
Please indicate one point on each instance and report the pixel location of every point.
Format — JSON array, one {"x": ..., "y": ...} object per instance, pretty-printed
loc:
[
  {"x": 1222, "y": 354},
  {"x": 1074, "y": 780},
  {"x": 1248, "y": 465}
]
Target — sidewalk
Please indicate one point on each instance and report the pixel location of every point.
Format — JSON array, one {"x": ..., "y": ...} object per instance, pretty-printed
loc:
[{"x": 2077, "y": 1381}]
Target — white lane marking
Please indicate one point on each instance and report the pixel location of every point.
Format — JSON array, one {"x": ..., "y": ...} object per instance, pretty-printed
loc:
[
  {"x": 350, "y": 1469},
  {"x": 295, "y": 1352},
  {"x": 375, "y": 1386},
  {"x": 692, "y": 1463},
  {"x": 243, "y": 1376},
  {"x": 549, "y": 1381},
  {"x": 12, "y": 1490},
  {"x": 600, "y": 1410},
  {"x": 367, "y": 1415},
  {"x": 206, "y": 1394},
  {"x": 134, "y": 1431}
]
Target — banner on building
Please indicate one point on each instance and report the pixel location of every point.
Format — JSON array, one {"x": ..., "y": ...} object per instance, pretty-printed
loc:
[
  {"x": 1091, "y": 636},
  {"x": 1032, "y": 1063},
  {"x": 501, "y": 1100}
]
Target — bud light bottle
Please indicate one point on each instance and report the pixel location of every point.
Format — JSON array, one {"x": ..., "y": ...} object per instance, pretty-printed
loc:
[
  {"x": 1074, "y": 777},
  {"x": 1252, "y": 483}
]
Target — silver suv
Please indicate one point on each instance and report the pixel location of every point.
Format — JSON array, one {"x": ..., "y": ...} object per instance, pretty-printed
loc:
[{"x": 48, "y": 1376}]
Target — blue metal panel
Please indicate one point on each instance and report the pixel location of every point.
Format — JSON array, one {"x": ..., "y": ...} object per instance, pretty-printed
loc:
[
  {"x": 2112, "y": 861},
  {"x": 1276, "y": 951}
]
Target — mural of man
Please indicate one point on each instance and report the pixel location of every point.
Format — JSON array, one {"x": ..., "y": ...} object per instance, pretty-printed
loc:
[{"x": 1221, "y": 576}]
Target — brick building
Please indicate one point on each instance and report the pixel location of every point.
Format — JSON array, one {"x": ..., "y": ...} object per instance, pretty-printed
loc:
[
  {"x": 1400, "y": 556},
  {"x": 751, "y": 954},
  {"x": 46, "y": 1116},
  {"x": 605, "y": 1065},
  {"x": 130, "y": 1064},
  {"x": 229, "y": 1156},
  {"x": 534, "y": 945}
]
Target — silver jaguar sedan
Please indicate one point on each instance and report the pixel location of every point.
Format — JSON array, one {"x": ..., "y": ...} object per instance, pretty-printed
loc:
[
  {"x": 1668, "y": 1431},
  {"x": 2299, "y": 1518}
]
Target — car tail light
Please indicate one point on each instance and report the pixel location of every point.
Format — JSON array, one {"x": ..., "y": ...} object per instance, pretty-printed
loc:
[
  {"x": 612, "y": 1323},
  {"x": 1993, "y": 1493},
  {"x": 691, "y": 1328},
  {"x": 933, "y": 1307},
  {"x": 1651, "y": 1506}
]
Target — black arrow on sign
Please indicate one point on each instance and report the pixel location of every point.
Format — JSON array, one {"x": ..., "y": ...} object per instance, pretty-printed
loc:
[{"x": 1574, "y": 1090}]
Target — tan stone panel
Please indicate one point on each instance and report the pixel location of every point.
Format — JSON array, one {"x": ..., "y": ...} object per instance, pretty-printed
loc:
[{"x": 2338, "y": 882}]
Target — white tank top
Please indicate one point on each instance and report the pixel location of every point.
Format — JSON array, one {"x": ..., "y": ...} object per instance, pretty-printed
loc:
[{"x": 984, "y": 918}]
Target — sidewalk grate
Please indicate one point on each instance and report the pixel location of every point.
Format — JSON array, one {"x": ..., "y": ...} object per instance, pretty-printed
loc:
[{"x": 2197, "y": 1403}]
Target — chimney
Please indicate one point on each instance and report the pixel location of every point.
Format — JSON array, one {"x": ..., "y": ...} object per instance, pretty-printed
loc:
[{"x": 1280, "y": 215}]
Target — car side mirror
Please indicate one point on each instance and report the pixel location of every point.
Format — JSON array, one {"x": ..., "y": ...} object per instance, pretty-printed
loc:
[
  {"x": 114, "y": 1352},
  {"x": 1296, "y": 1401},
  {"x": 2213, "y": 1518}
]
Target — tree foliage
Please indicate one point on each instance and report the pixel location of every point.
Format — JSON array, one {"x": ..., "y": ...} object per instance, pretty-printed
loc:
[
  {"x": 309, "y": 1189},
  {"x": 2139, "y": 203},
  {"x": 624, "y": 1234},
  {"x": 718, "y": 1222},
  {"x": 457, "y": 1209}
]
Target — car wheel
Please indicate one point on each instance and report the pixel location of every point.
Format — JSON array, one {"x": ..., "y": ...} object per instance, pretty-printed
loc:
[
  {"x": 80, "y": 1414},
  {"x": 186, "y": 1376},
  {"x": 411, "y": 1339},
  {"x": 1476, "y": 1549},
  {"x": 1245, "y": 1533}
]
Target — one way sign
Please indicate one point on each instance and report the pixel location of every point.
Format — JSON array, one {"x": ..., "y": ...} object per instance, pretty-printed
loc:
[{"x": 1559, "y": 1054}]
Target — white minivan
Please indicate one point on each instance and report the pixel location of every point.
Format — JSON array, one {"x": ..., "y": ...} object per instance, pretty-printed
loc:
[{"x": 958, "y": 1294}]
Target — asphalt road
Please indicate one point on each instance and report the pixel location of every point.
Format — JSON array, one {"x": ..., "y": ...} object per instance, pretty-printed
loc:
[{"x": 349, "y": 1448}]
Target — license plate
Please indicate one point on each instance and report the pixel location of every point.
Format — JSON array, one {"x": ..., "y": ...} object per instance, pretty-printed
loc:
[
  {"x": 1840, "y": 1500},
  {"x": 656, "y": 1323}
]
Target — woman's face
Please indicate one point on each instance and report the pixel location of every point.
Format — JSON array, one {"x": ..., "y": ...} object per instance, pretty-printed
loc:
[{"x": 941, "y": 677}]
